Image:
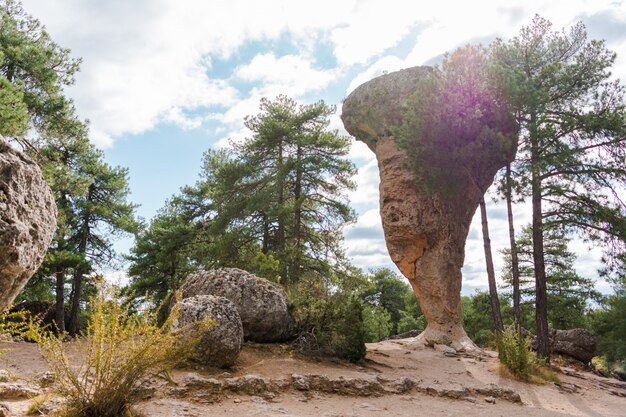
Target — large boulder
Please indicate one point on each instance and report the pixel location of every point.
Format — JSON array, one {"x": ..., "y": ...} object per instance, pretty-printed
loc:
[
  {"x": 220, "y": 343},
  {"x": 425, "y": 229},
  {"x": 262, "y": 305},
  {"x": 579, "y": 344},
  {"x": 27, "y": 221}
]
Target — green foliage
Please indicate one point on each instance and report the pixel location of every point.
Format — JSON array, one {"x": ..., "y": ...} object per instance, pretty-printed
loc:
[
  {"x": 609, "y": 325},
  {"x": 273, "y": 205},
  {"x": 13, "y": 115},
  {"x": 120, "y": 349},
  {"x": 11, "y": 323},
  {"x": 91, "y": 196},
  {"x": 477, "y": 318},
  {"x": 160, "y": 257},
  {"x": 569, "y": 294},
  {"x": 390, "y": 306},
  {"x": 377, "y": 323},
  {"x": 572, "y": 142},
  {"x": 409, "y": 322},
  {"x": 93, "y": 208},
  {"x": 329, "y": 322},
  {"x": 266, "y": 266},
  {"x": 37, "y": 68},
  {"x": 515, "y": 354},
  {"x": 347, "y": 336},
  {"x": 454, "y": 122},
  {"x": 389, "y": 294}
]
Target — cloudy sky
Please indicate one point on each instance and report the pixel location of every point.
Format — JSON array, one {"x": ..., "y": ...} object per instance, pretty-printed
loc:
[{"x": 163, "y": 80}]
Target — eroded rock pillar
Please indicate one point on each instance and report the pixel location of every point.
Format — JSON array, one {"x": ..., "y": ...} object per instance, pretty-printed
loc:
[{"x": 425, "y": 232}]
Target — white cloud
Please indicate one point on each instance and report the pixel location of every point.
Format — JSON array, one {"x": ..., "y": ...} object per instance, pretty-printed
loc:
[
  {"x": 291, "y": 71},
  {"x": 365, "y": 242},
  {"x": 154, "y": 61},
  {"x": 382, "y": 66},
  {"x": 175, "y": 115},
  {"x": 143, "y": 60},
  {"x": 374, "y": 27},
  {"x": 367, "y": 180},
  {"x": 360, "y": 152}
]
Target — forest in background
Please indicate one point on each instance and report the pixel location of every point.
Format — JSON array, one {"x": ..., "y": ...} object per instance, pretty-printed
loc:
[{"x": 275, "y": 204}]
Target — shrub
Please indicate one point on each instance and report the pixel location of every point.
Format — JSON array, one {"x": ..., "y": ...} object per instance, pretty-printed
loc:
[
  {"x": 118, "y": 351},
  {"x": 515, "y": 354},
  {"x": 329, "y": 323},
  {"x": 12, "y": 323},
  {"x": 346, "y": 335}
]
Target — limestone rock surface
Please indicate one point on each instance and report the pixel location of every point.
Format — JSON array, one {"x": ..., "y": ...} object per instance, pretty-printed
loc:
[
  {"x": 425, "y": 232},
  {"x": 576, "y": 343},
  {"x": 262, "y": 305},
  {"x": 579, "y": 344},
  {"x": 219, "y": 344},
  {"x": 27, "y": 221}
]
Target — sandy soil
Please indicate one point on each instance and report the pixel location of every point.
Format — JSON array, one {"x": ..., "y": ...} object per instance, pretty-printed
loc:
[{"x": 398, "y": 378}]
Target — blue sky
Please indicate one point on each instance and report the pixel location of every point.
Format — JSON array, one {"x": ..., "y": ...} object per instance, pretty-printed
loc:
[{"x": 163, "y": 81}]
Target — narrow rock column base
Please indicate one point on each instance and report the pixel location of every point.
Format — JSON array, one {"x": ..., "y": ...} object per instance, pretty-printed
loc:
[{"x": 453, "y": 336}]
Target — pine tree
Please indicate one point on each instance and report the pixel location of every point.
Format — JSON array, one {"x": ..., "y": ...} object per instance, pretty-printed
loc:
[
  {"x": 572, "y": 143},
  {"x": 91, "y": 198},
  {"x": 569, "y": 294},
  {"x": 300, "y": 175},
  {"x": 37, "y": 68},
  {"x": 491, "y": 274},
  {"x": 275, "y": 199}
]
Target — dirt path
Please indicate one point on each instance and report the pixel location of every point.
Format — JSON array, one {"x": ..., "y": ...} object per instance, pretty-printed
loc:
[{"x": 398, "y": 378}]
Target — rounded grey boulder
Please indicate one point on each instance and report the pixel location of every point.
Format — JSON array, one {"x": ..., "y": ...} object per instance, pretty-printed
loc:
[
  {"x": 27, "y": 221},
  {"x": 579, "y": 344},
  {"x": 262, "y": 305},
  {"x": 220, "y": 343}
]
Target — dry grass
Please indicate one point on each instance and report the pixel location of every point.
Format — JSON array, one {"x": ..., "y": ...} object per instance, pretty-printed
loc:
[{"x": 119, "y": 350}]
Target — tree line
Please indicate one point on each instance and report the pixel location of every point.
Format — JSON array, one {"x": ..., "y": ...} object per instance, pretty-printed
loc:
[{"x": 275, "y": 204}]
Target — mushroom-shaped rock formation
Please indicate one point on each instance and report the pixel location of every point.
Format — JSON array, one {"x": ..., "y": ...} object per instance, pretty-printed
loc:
[
  {"x": 425, "y": 227},
  {"x": 27, "y": 221}
]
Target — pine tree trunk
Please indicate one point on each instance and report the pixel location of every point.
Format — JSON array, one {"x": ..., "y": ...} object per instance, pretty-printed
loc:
[
  {"x": 74, "y": 324},
  {"x": 266, "y": 235},
  {"x": 541, "y": 303},
  {"x": 59, "y": 313},
  {"x": 297, "y": 192},
  {"x": 514, "y": 259},
  {"x": 281, "y": 218},
  {"x": 491, "y": 275}
]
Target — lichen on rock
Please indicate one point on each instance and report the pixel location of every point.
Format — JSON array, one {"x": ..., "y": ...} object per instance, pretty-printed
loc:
[
  {"x": 27, "y": 221},
  {"x": 220, "y": 343},
  {"x": 261, "y": 304}
]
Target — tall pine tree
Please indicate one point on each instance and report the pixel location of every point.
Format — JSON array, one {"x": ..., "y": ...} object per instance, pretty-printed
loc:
[{"x": 573, "y": 139}]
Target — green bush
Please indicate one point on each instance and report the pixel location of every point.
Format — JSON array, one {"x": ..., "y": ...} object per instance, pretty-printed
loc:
[
  {"x": 346, "y": 335},
  {"x": 519, "y": 360},
  {"x": 515, "y": 353},
  {"x": 329, "y": 323}
]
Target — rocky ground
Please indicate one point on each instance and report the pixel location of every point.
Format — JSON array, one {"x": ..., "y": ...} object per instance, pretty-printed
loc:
[{"x": 398, "y": 378}]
